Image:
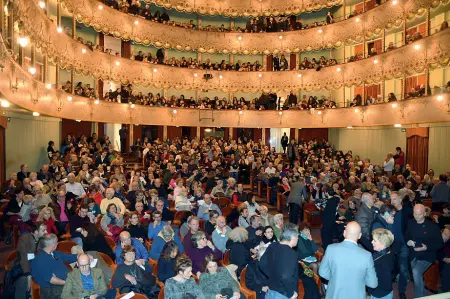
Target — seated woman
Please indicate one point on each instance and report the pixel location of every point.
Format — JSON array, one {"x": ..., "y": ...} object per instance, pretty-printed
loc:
[
  {"x": 306, "y": 248},
  {"x": 215, "y": 281},
  {"x": 210, "y": 225},
  {"x": 201, "y": 247},
  {"x": 239, "y": 251},
  {"x": 244, "y": 218},
  {"x": 182, "y": 285},
  {"x": 164, "y": 236},
  {"x": 129, "y": 277},
  {"x": 182, "y": 203},
  {"x": 112, "y": 222},
  {"x": 94, "y": 208},
  {"x": 278, "y": 225},
  {"x": 268, "y": 237},
  {"x": 265, "y": 217},
  {"x": 218, "y": 191},
  {"x": 252, "y": 205},
  {"x": 166, "y": 262},
  {"x": 93, "y": 240},
  {"x": 47, "y": 216},
  {"x": 135, "y": 228}
]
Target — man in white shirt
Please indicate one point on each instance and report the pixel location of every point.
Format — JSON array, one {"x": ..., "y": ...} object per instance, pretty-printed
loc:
[
  {"x": 74, "y": 187},
  {"x": 270, "y": 169},
  {"x": 206, "y": 207}
]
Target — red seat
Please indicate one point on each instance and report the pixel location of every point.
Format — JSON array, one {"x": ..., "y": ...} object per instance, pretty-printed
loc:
[
  {"x": 65, "y": 246},
  {"x": 249, "y": 294},
  {"x": 11, "y": 257}
]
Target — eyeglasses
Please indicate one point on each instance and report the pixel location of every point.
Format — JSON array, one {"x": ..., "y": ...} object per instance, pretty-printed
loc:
[{"x": 84, "y": 266}]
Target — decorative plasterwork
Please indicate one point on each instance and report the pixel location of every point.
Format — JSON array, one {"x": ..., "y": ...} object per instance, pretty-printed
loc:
[
  {"x": 433, "y": 51},
  {"x": 20, "y": 88},
  {"x": 122, "y": 25}
]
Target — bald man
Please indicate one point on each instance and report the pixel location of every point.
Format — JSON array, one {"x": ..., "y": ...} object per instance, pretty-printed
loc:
[
  {"x": 423, "y": 239},
  {"x": 348, "y": 267}
]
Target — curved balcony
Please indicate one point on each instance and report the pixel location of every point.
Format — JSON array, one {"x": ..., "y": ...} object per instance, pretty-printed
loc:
[
  {"x": 432, "y": 51},
  {"x": 370, "y": 24},
  {"x": 20, "y": 88},
  {"x": 235, "y": 8}
]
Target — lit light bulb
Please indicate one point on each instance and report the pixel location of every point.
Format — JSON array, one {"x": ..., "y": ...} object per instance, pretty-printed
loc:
[
  {"x": 78, "y": 120},
  {"x": 349, "y": 127},
  {"x": 96, "y": 102},
  {"x": 59, "y": 29},
  {"x": 69, "y": 98},
  {"x": 280, "y": 37},
  {"x": 398, "y": 125},
  {"x": 83, "y": 50},
  {"x": 32, "y": 70},
  {"x": 260, "y": 75},
  {"x": 100, "y": 7},
  {"x": 356, "y": 110},
  {"x": 174, "y": 111},
  {"x": 155, "y": 70},
  {"x": 42, "y": 4},
  {"x": 132, "y": 106},
  {"x": 440, "y": 98},
  {"x": 240, "y": 112},
  {"x": 36, "y": 113},
  {"x": 320, "y": 30},
  {"x": 48, "y": 86},
  {"x": 220, "y": 76},
  {"x": 239, "y": 37},
  {"x": 195, "y": 75},
  {"x": 357, "y": 20},
  {"x": 136, "y": 22},
  {"x": 23, "y": 41},
  {"x": 339, "y": 69},
  {"x": 417, "y": 47},
  {"x": 280, "y": 113},
  {"x": 299, "y": 75},
  {"x": 375, "y": 61},
  {"x": 117, "y": 63},
  {"x": 4, "y": 103},
  {"x": 394, "y": 105},
  {"x": 320, "y": 112},
  {"x": 394, "y": 2}
]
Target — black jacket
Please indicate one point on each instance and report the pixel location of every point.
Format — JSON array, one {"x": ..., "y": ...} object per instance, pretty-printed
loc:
[
  {"x": 98, "y": 243},
  {"x": 427, "y": 233},
  {"x": 384, "y": 265},
  {"x": 255, "y": 280},
  {"x": 239, "y": 254}
]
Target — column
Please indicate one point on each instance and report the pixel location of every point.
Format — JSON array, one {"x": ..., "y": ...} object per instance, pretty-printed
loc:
[
  {"x": 364, "y": 94},
  {"x": 72, "y": 80},
  {"x": 57, "y": 76},
  {"x": 297, "y": 61},
  {"x": 2, "y": 16},
  {"x": 383, "y": 41},
  {"x": 230, "y": 130},
  {"x": 11, "y": 28},
  {"x": 21, "y": 56},
  {"x": 404, "y": 30},
  {"x": 427, "y": 22},
  {"x": 296, "y": 135},
  {"x": 199, "y": 57},
  {"x": 130, "y": 137},
  {"x": 382, "y": 88},
  {"x": 45, "y": 70},
  {"x": 403, "y": 87},
  {"x": 47, "y": 10},
  {"x": 427, "y": 79},
  {"x": 231, "y": 58},
  {"x": 199, "y": 21},
  {"x": 265, "y": 62},
  {"x": 94, "y": 128},
  {"x": 231, "y": 23},
  {"x": 74, "y": 26},
  {"x": 263, "y": 135},
  {"x": 165, "y": 94},
  {"x": 164, "y": 133},
  {"x": 198, "y": 133},
  {"x": 58, "y": 13}
]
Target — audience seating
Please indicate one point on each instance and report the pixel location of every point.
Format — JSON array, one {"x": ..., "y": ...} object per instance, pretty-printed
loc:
[
  {"x": 268, "y": 194},
  {"x": 67, "y": 235},
  {"x": 318, "y": 255},
  {"x": 65, "y": 246},
  {"x": 136, "y": 296},
  {"x": 227, "y": 211},
  {"x": 427, "y": 203},
  {"x": 107, "y": 259},
  {"x": 223, "y": 202},
  {"x": 11, "y": 257},
  {"x": 280, "y": 202},
  {"x": 201, "y": 224},
  {"x": 155, "y": 274},
  {"x": 111, "y": 242},
  {"x": 431, "y": 277},
  {"x": 35, "y": 290},
  {"x": 226, "y": 258},
  {"x": 161, "y": 293},
  {"x": 249, "y": 294}
]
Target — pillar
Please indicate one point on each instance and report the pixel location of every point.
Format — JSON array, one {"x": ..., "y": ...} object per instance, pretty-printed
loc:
[
  {"x": 427, "y": 79},
  {"x": 11, "y": 28},
  {"x": 57, "y": 76},
  {"x": 199, "y": 21},
  {"x": 296, "y": 135},
  {"x": 164, "y": 133},
  {"x": 74, "y": 26},
  {"x": 94, "y": 128},
  {"x": 403, "y": 87},
  {"x": 231, "y": 23},
  {"x": 130, "y": 137},
  {"x": 165, "y": 94},
  {"x": 265, "y": 62},
  {"x": 72, "y": 80},
  {"x": 383, "y": 41},
  {"x": 404, "y": 30},
  {"x": 21, "y": 56},
  {"x": 263, "y": 135},
  {"x": 198, "y": 133},
  {"x": 2, "y": 16},
  {"x": 231, "y": 59},
  {"x": 199, "y": 57},
  {"x": 58, "y": 13},
  {"x": 230, "y": 130},
  {"x": 297, "y": 61},
  {"x": 45, "y": 70},
  {"x": 427, "y": 22}
]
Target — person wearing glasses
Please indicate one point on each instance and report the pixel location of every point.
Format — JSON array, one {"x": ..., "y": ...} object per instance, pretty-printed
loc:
[
  {"x": 141, "y": 252},
  {"x": 201, "y": 247},
  {"x": 84, "y": 282}
]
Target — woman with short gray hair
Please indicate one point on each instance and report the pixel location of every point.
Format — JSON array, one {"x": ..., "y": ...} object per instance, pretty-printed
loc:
[{"x": 383, "y": 260}]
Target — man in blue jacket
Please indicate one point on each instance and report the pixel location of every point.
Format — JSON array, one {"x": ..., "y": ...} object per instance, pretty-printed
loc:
[
  {"x": 141, "y": 250},
  {"x": 48, "y": 269}
]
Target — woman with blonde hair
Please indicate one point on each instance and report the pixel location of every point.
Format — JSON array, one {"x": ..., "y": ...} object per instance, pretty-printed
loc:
[
  {"x": 239, "y": 253},
  {"x": 47, "y": 216},
  {"x": 383, "y": 260}
]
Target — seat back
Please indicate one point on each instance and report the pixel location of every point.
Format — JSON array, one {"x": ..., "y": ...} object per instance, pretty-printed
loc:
[
  {"x": 65, "y": 246},
  {"x": 249, "y": 294},
  {"x": 226, "y": 258},
  {"x": 111, "y": 243},
  {"x": 11, "y": 257},
  {"x": 161, "y": 293},
  {"x": 227, "y": 211},
  {"x": 106, "y": 259},
  {"x": 35, "y": 290}
]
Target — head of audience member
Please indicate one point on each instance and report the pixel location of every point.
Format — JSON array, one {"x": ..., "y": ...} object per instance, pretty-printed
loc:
[
  {"x": 243, "y": 210},
  {"x": 134, "y": 219},
  {"x": 109, "y": 193},
  {"x": 183, "y": 267},
  {"x": 170, "y": 251},
  {"x": 207, "y": 199},
  {"x": 419, "y": 213},
  {"x": 210, "y": 264},
  {"x": 240, "y": 188},
  {"x": 199, "y": 240},
  {"x": 128, "y": 254},
  {"x": 193, "y": 224},
  {"x": 255, "y": 221},
  {"x": 83, "y": 210},
  {"x": 305, "y": 229},
  {"x": 268, "y": 235},
  {"x": 125, "y": 239},
  {"x": 264, "y": 211},
  {"x": 367, "y": 199},
  {"x": 221, "y": 222},
  {"x": 289, "y": 236},
  {"x": 71, "y": 178},
  {"x": 84, "y": 264},
  {"x": 446, "y": 235},
  {"x": 49, "y": 243},
  {"x": 238, "y": 235},
  {"x": 387, "y": 212},
  {"x": 352, "y": 231},
  {"x": 213, "y": 215},
  {"x": 159, "y": 206},
  {"x": 278, "y": 220},
  {"x": 45, "y": 214},
  {"x": 38, "y": 229},
  {"x": 381, "y": 239}
]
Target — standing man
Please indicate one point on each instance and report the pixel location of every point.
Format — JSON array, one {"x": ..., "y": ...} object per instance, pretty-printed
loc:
[
  {"x": 295, "y": 200},
  {"x": 346, "y": 262},
  {"x": 399, "y": 158},
  {"x": 424, "y": 239},
  {"x": 365, "y": 216},
  {"x": 440, "y": 194},
  {"x": 123, "y": 132},
  {"x": 279, "y": 263},
  {"x": 292, "y": 152},
  {"x": 329, "y": 225},
  {"x": 284, "y": 142}
]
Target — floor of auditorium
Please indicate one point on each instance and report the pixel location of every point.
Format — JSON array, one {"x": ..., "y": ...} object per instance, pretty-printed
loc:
[{"x": 6, "y": 249}]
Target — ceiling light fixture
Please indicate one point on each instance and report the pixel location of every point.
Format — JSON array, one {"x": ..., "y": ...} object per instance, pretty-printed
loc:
[
  {"x": 440, "y": 98},
  {"x": 42, "y": 4},
  {"x": 398, "y": 125},
  {"x": 4, "y": 103},
  {"x": 69, "y": 98},
  {"x": 48, "y": 86},
  {"x": 32, "y": 70},
  {"x": 59, "y": 29},
  {"x": 36, "y": 113},
  {"x": 23, "y": 41},
  {"x": 83, "y": 50}
]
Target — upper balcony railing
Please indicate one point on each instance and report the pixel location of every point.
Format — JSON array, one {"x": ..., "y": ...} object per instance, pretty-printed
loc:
[
  {"x": 68, "y": 53},
  {"x": 369, "y": 25}
]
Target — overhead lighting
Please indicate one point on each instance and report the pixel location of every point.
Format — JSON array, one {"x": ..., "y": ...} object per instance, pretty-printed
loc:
[
  {"x": 220, "y": 76},
  {"x": 4, "y": 103},
  {"x": 136, "y": 22},
  {"x": 208, "y": 130},
  {"x": 240, "y": 112},
  {"x": 320, "y": 112},
  {"x": 357, "y": 20},
  {"x": 174, "y": 111},
  {"x": 356, "y": 110},
  {"x": 320, "y": 30},
  {"x": 69, "y": 98},
  {"x": 117, "y": 63},
  {"x": 23, "y": 41},
  {"x": 42, "y": 4},
  {"x": 132, "y": 105},
  {"x": 260, "y": 75},
  {"x": 96, "y": 102},
  {"x": 417, "y": 47},
  {"x": 59, "y": 29},
  {"x": 375, "y": 61},
  {"x": 195, "y": 75},
  {"x": 32, "y": 70},
  {"x": 100, "y": 7},
  {"x": 48, "y": 86},
  {"x": 394, "y": 2},
  {"x": 83, "y": 50},
  {"x": 280, "y": 113},
  {"x": 155, "y": 70},
  {"x": 36, "y": 113},
  {"x": 78, "y": 120},
  {"x": 239, "y": 37},
  {"x": 280, "y": 37},
  {"x": 394, "y": 105},
  {"x": 299, "y": 75},
  {"x": 349, "y": 127},
  {"x": 398, "y": 125},
  {"x": 440, "y": 98},
  {"x": 339, "y": 69}
]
